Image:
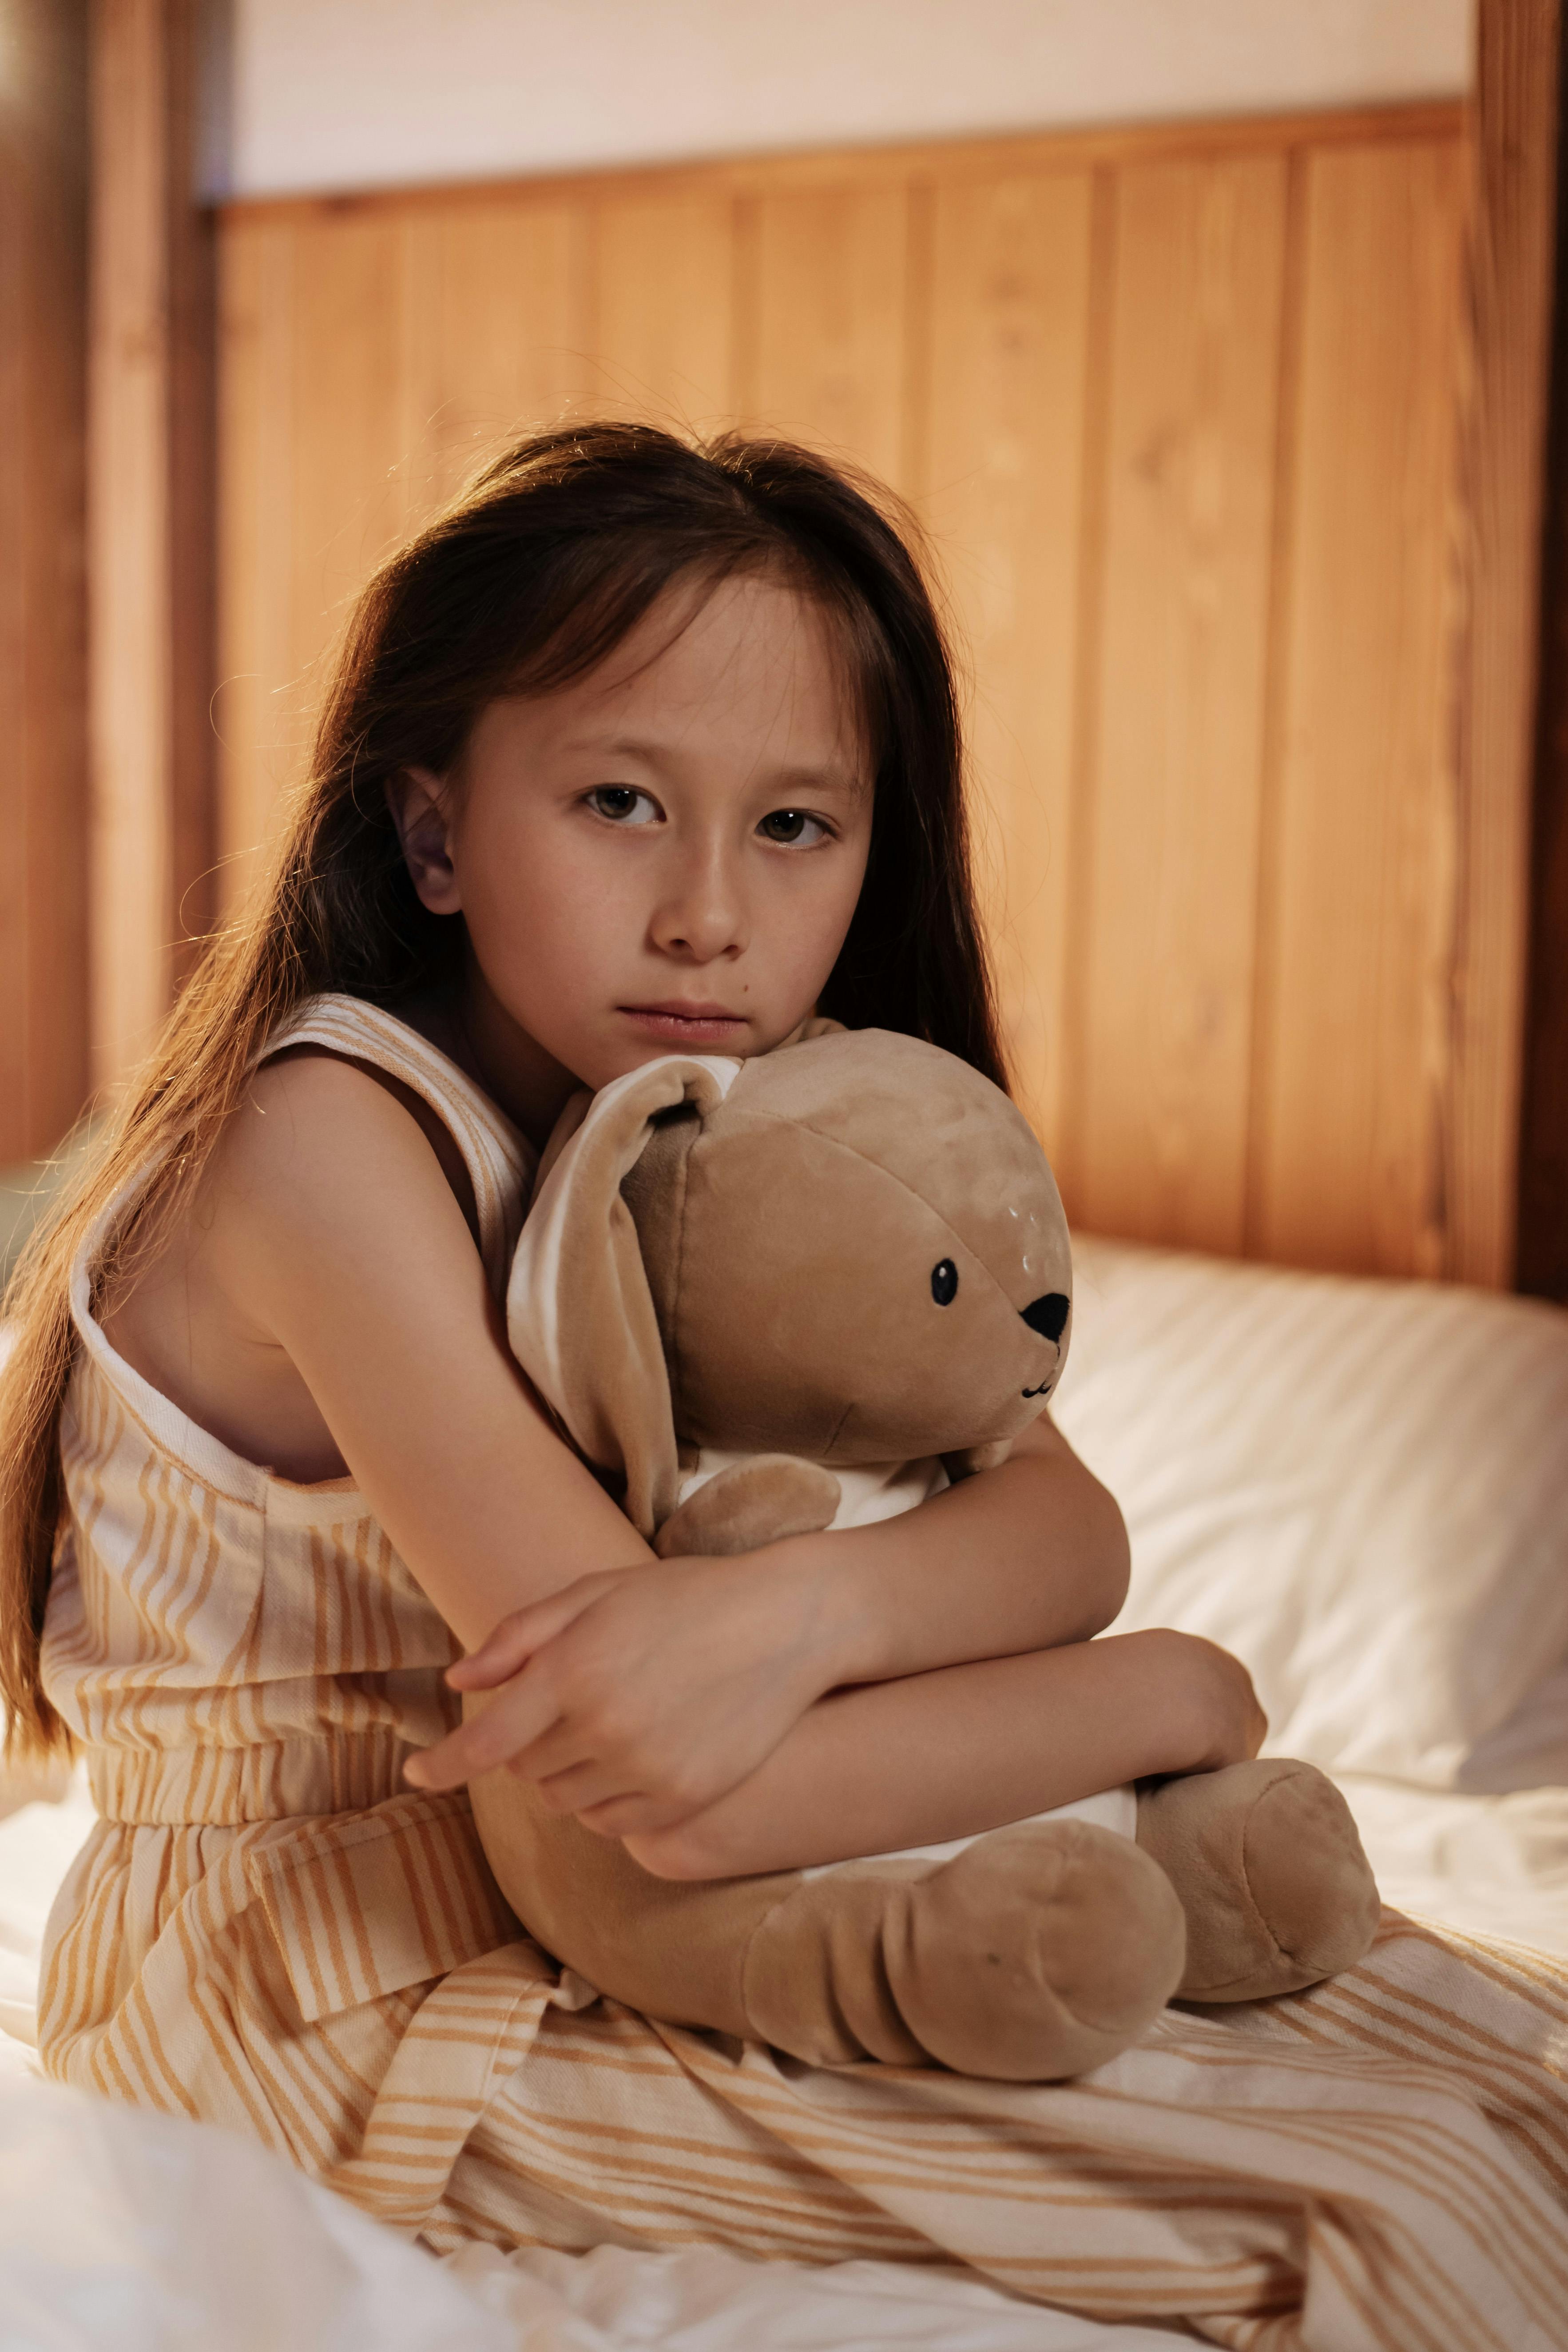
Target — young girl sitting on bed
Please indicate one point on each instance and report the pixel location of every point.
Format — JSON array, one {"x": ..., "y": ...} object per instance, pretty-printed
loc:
[{"x": 638, "y": 747}]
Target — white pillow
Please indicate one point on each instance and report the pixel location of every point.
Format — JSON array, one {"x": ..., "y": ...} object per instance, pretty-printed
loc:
[{"x": 1360, "y": 1487}]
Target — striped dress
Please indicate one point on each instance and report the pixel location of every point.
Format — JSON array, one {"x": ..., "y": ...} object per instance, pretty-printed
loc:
[{"x": 267, "y": 1930}]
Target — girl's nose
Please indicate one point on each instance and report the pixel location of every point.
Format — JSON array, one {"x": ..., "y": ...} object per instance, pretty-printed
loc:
[{"x": 704, "y": 916}]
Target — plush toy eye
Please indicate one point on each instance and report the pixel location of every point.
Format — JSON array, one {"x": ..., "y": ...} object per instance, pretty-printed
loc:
[{"x": 944, "y": 1283}]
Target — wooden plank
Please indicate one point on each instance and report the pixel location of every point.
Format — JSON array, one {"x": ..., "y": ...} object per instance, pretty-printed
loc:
[
  {"x": 332, "y": 400},
  {"x": 42, "y": 383},
  {"x": 665, "y": 329},
  {"x": 827, "y": 349},
  {"x": 1506, "y": 1044},
  {"x": 149, "y": 509},
  {"x": 255, "y": 518},
  {"x": 353, "y": 497},
  {"x": 131, "y": 847},
  {"x": 1090, "y": 609},
  {"x": 1361, "y": 841},
  {"x": 1543, "y": 1256},
  {"x": 191, "y": 231},
  {"x": 1542, "y": 1266},
  {"x": 498, "y": 327},
  {"x": 1160, "y": 1108},
  {"x": 986, "y": 158},
  {"x": 371, "y": 363},
  {"x": 1008, "y": 323}
]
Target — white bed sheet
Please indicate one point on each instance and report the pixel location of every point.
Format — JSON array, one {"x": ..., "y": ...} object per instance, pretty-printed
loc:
[
  {"x": 117, "y": 2229},
  {"x": 124, "y": 2232}
]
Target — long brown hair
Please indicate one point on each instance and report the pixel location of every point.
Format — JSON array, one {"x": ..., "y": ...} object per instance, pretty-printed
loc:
[{"x": 534, "y": 575}]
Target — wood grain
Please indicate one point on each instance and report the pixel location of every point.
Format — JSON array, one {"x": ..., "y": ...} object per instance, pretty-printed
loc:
[
  {"x": 665, "y": 327},
  {"x": 498, "y": 328},
  {"x": 192, "y": 461},
  {"x": 358, "y": 480},
  {"x": 318, "y": 482},
  {"x": 43, "y": 381},
  {"x": 829, "y": 360},
  {"x": 132, "y": 832},
  {"x": 1347, "y": 1166},
  {"x": 150, "y": 460},
  {"x": 1175, "y": 806},
  {"x": 1002, "y": 482},
  {"x": 1508, "y": 1179},
  {"x": 256, "y": 527}
]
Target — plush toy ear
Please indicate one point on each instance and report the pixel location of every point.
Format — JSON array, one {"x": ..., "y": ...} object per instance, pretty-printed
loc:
[{"x": 579, "y": 1313}]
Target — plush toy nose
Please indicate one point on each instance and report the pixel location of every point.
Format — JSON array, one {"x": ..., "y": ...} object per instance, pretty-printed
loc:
[{"x": 1047, "y": 1316}]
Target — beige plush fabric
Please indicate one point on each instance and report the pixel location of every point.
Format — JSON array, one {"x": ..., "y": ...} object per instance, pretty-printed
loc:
[
  {"x": 264, "y": 1934},
  {"x": 838, "y": 1254}
]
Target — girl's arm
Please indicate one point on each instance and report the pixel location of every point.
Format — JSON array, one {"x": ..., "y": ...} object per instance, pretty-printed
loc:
[
  {"x": 967, "y": 1750},
  {"x": 696, "y": 1659},
  {"x": 1022, "y": 1556},
  {"x": 340, "y": 1244},
  {"x": 339, "y": 1248}
]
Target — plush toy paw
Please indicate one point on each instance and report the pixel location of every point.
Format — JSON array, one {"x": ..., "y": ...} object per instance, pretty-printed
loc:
[
  {"x": 1037, "y": 1952},
  {"x": 751, "y": 1503},
  {"x": 1268, "y": 1865}
]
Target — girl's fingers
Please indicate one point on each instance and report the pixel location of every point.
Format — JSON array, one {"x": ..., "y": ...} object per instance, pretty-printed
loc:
[
  {"x": 431, "y": 1769},
  {"x": 585, "y": 1788},
  {"x": 509, "y": 1726},
  {"x": 507, "y": 1649},
  {"x": 561, "y": 1749}
]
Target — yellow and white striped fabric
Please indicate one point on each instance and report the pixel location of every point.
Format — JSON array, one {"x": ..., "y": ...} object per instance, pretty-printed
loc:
[{"x": 267, "y": 1931}]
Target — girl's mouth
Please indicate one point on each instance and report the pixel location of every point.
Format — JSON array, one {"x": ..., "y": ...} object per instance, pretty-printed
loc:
[{"x": 687, "y": 1024}]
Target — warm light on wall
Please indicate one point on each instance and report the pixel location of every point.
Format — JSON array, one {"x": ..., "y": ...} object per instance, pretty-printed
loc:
[
  {"x": 14, "y": 74},
  {"x": 314, "y": 99}
]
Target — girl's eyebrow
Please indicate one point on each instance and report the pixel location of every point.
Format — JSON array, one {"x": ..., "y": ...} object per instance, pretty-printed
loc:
[{"x": 830, "y": 777}]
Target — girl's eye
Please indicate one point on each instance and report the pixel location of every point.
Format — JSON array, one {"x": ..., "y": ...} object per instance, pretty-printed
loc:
[
  {"x": 793, "y": 826},
  {"x": 619, "y": 802}
]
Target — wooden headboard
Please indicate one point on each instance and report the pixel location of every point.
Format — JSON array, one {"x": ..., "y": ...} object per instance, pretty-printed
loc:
[{"x": 1182, "y": 408}]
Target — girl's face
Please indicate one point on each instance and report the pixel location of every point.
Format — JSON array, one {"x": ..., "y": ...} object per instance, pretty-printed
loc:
[{"x": 663, "y": 855}]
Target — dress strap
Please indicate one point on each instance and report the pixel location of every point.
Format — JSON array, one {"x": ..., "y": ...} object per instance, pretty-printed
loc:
[{"x": 499, "y": 1160}]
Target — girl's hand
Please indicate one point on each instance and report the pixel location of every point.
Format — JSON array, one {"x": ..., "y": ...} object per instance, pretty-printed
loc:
[
  {"x": 1222, "y": 1721},
  {"x": 638, "y": 1696}
]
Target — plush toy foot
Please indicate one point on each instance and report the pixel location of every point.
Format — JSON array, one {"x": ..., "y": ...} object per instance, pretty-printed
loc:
[
  {"x": 1265, "y": 1859},
  {"x": 1037, "y": 1952}
]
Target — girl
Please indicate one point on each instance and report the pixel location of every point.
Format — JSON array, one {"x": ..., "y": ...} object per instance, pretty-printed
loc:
[{"x": 638, "y": 746}]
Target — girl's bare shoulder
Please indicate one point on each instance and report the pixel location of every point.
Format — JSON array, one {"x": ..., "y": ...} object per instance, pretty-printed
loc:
[
  {"x": 307, "y": 1102},
  {"x": 331, "y": 1183},
  {"x": 325, "y": 1200}
]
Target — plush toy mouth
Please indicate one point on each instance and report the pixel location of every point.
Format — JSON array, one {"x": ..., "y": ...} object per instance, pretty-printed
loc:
[{"x": 1044, "y": 1390}]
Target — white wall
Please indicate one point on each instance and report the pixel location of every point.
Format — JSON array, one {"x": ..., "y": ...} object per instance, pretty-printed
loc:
[{"x": 360, "y": 93}]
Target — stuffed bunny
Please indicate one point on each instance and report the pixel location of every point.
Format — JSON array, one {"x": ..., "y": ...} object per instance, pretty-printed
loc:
[{"x": 804, "y": 1291}]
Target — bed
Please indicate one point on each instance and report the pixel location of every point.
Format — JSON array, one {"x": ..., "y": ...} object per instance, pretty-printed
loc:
[{"x": 1360, "y": 1485}]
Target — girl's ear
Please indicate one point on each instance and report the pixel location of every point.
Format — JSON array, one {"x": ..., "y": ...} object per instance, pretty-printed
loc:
[
  {"x": 417, "y": 800},
  {"x": 579, "y": 1312}
]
